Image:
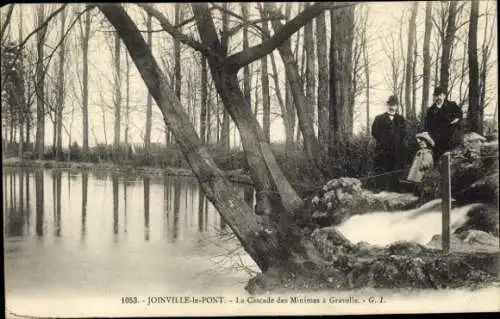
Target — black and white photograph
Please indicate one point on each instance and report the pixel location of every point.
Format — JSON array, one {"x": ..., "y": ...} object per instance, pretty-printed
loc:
[{"x": 249, "y": 158}]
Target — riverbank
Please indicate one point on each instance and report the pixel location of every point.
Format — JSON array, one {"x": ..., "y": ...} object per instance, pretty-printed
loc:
[{"x": 233, "y": 175}]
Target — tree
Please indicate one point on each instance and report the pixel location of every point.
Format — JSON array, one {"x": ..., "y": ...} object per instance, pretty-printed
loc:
[
  {"x": 310, "y": 70},
  {"x": 341, "y": 77},
  {"x": 60, "y": 91},
  {"x": 204, "y": 101},
  {"x": 473, "y": 112},
  {"x": 323, "y": 78},
  {"x": 147, "y": 137},
  {"x": 178, "y": 15},
  {"x": 409, "y": 75},
  {"x": 224, "y": 131},
  {"x": 426, "y": 73},
  {"x": 447, "y": 45},
  {"x": 311, "y": 144},
  {"x": 84, "y": 40},
  {"x": 40, "y": 82},
  {"x": 366, "y": 68},
  {"x": 266, "y": 107},
  {"x": 117, "y": 98}
]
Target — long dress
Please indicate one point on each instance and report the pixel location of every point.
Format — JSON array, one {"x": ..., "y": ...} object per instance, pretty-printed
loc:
[{"x": 422, "y": 162}]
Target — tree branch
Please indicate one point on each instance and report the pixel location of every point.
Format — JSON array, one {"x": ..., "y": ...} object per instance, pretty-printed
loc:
[
  {"x": 43, "y": 25},
  {"x": 172, "y": 30},
  {"x": 242, "y": 58},
  {"x": 7, "y": 21}
]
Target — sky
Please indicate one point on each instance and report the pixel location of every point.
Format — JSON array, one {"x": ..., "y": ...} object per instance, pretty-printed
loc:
[{"x": 383, "y": 21}]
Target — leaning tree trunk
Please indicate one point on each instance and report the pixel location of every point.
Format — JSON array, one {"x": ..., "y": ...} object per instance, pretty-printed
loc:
[
  {"x": 264, "y": 247},
  {"x": 204, "y": 100},
  {"x": 269, "y": 180},
  {"x": 473, "y": 112},
  {"x": 311, "y": 144}
]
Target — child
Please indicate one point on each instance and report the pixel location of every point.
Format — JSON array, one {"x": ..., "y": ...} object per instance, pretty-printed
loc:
[{"x": 423, "y": 160}]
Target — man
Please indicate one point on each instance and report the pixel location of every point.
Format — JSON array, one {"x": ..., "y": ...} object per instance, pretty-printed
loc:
[
  {"x": 389, "y": 131},
  {"x": 442, "y": 121}
]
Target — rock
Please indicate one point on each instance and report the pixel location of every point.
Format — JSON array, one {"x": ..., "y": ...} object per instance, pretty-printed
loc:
[
  {"x": 330, "y": 243},
  {"x": 345, "y": 196},
  {"x": 469, "y": 241},
  {"x": 478, "y": 237},
  {"x": 484, "y": 218},
  {"x": 474, "y": 177},
  {"x": 405, "y": 248}
]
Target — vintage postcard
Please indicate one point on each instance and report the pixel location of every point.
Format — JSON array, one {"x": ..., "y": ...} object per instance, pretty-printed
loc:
[{"x": 260, "y": 158}]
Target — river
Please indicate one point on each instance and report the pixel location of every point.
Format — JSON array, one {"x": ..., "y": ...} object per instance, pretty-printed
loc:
[{"x": 77, "y": 242}]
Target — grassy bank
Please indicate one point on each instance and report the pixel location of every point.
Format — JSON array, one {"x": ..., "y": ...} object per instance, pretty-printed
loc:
[{"x": 356, "y": 161}]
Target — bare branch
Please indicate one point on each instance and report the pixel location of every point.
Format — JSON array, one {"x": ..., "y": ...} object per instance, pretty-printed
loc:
[
  {"x": 7, "y": 21},
  {"x": 179, "y": 36},
  {"x": 44, "y": 24},
  {"x": 242, "y": 58}
]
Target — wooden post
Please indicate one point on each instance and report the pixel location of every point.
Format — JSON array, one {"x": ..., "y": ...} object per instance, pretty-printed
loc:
[{"x": 446, "y": 202}]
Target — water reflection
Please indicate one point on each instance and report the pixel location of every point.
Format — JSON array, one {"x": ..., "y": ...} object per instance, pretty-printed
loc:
[
  {"x": 56, "y": 194},
  {"x": 115, "y": 206},
  {"x": 135, "y": 203},
  {"x": 39, "y": 202},
  {"x": 85, "y": 185},
  {"x": 146, "y": 208}
]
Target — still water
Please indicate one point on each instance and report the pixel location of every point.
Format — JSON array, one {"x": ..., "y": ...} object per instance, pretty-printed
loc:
[
  {"x": 77, "y": 242},
  {"x": 94, "y": 233}
]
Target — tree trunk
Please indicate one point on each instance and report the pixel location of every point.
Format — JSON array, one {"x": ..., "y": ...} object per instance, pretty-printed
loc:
[
  {"x": 177, "y": 64},
  {"x": 24, "y": 114},
  {"x": 426, "y": 77},
  {"x": 60, "y": 93},
  {"x": 149, "y": 101},
  {"x": 341, "y": 80},
  {"x": 310, "y": 73},
  {"x": 284, "y": 106},
  {"x": 224, "y": 132},
  {"x": 118, "y": 98},
  {"x": 127, "y": 105},
  {"x": 447, "y": 45},
  {"x": 40, "y": 84},
  {"x": 247, "y": 80},
  {"x": 311, "y": 144},
  {"x": 204, "y": 94},
  {"x": 366, "y": 67},
  {"x": 322, "y": 83},
  {"x": 334, "y": 118},
  {"x": 414, "y": 83},
  {"x": 409, "y": 59},
  {"x": 265, "y": 248},
  {"x": 266, "y": 107},
  {"x": 85, "y": 37},
  {"x": 473, "y": 113},
  {"x": 268, "y": 178}
]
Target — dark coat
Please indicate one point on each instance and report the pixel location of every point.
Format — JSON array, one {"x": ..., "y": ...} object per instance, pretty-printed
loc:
[
  {"x": 438, "y": 124},
  {"x": 389, "y": 134}
]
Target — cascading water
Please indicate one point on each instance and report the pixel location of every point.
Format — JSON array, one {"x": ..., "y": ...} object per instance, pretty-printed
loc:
[{"x": 417, "y": 225}]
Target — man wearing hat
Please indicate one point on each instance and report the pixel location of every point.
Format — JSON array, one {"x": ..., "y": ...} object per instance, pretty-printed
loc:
[
  {"x": 442, "y": 121},
  {"x": 389, "y": 130}
]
